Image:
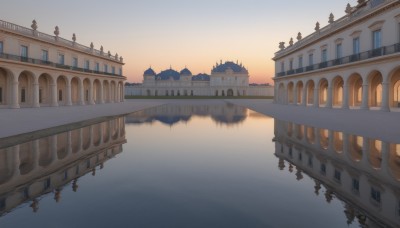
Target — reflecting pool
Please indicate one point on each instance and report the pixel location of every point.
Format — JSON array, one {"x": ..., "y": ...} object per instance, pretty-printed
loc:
[{"x": 200, "y": 166}]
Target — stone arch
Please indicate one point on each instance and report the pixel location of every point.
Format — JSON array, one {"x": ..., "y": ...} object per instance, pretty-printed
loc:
[
  {"x": 62, "y": 145},
  {"x": 112, "y": 91},
  {"x": 166, "y": 93},
  {"x": 375, "y": 153},
  {"x": 156, "y": 93},
  {"x": 45, "y": 89},
  {"x": 172, "y": 93},
  {"x": 299, "y": 91},
  {"x": 86, "y": 91},
  {"x": 281, "y": 93},
  {"x": 97, "y": 96},
  {"x": 62, "y": 82},
  {"x": 394, "y": 160},
  {"x": 106, "y": 91},
  {"x": 394, "y": 88},
  {"x": 148, "y": 93},
  {"x": 96, "y": 134},
  {"x": 75, "y": 90},
  {"x": 290, "y": 93},
  {"x": 25, "y": 88},
  {"x": 86, "y": 137},
  {"x": 337, "y": 91},
  {"x": 6, "y": 80},
  {"x": 230, "y": 93},
  {"x": 223, "y": 93},
  {"x": 75, "y": 141},
  {"x": 355, "y": 85},
  {"x": 106, "y": 131},
  {"x": 375, "y": 80},
  {"x": 356, "y": 148},
  {"x": 310, "y": 86},
  {"x": 323, "y": 91}
]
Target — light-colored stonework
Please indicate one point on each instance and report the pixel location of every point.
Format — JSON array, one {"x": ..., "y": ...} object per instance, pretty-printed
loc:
[
  {"x": 226, "y": 79},
  {"x": 353, "y": 62},
  {"x": 37, "y": 69}
]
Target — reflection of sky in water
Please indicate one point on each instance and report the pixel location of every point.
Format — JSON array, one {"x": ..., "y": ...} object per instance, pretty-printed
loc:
[{"x": 191, "y": 166}]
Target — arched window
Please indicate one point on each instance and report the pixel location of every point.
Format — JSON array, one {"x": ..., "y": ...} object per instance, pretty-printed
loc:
[{"x": 60, "y": 98}]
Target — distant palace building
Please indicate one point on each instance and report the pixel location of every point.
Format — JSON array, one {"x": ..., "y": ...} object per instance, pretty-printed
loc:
[
  {"x": 226, "y": 79},
  {"x": 37, "y": 69},
  {"x": 353, "y": 62}
]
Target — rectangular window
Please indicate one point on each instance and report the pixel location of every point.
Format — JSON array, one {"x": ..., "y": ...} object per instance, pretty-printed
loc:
[
  {"x": 23, "y": 98},
  {"x": 120, "y": 71},
  {"x": 1, "y": 47},
  {"x": 356, "y": 185},
  {"x": 47, "y": 184},
  {"x": 97, "y": 67},
  {"x": 87, "y": 65},
  {"x": 310, "y": 161},
  {"x": 24, "y": 51},
  {"x": 282, "y": 67},
  {"x": 376, "y": 39},
  {"x": 75, "y": 62},
  {"x": 356, "y": 45},
  {"x": 324, "y": 56},
  {"x": 338, "y": 175},
  {"x": 291, "y": 64},
  {"x": 338, "y": 51},
  {"x": 105, "y": 68},
  {"x": 113, "y": 70},
  {"x": 323, "y": 169},
  {"x": 300, "y": 61},
  {"x": 376, "y": 195},
  {"x": 311, "y": 59},
  {"x": 45, "y": 55},
  {"x": 300, "y": 156},
  {"x": 61, "y": 59}
]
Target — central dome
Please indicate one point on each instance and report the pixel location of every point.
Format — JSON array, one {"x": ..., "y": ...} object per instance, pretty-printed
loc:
[
  {"x": 168, "y": 74},
  {"x": 236, "y": 68},
  {"x": 186, "y": 72},
  {"x": 149, "y": 72}
]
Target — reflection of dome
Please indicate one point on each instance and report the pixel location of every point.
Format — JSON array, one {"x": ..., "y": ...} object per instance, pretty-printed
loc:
[
  {"x": 149, "y": 72},
  {"x": 168, "y": 74},
  {"x": 201, "y": 77},
  {"x": 222, "y": 68},
  {"x": 186, "y": 72}
]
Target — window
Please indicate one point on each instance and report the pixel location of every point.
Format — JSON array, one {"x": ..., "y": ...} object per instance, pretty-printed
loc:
[
  {"x": 356, "y": 45},
  {"x": 75, "y": 62},
  {"x": 338, "y": 51},
  {"x": 323, "y": 169},
  {"x": 97, "y": 68},
  {"x": 376, "y": 39},
  {"x": 47, "y": 184},
  {"x": 300, "y": 61},
  {"x": 311, "y": 59},
  {"x": 282, "y": 67},
  {"x": 1, "y": 47},
  {"x": 376, "y": 195},
  {"x": 356, "y": 185},
  {"x": 310, "y": 161},
  {"x": 324, "y": 56},
  {"x": 61, "y": 59},
  {"x": 337, "y": 175},
  {"x": 23, "y": 98},
  {"x": 65, "y": 175},
  {"x": 87, "y": 65},
  {"x": 300, "y": 156},
  {"x": 87, "y": 95},
  {"x": 291, "y": 64},
  {"x": 45, "y": 55},
  {"x": 24, "y": 51},
  {"x": 113, "y": 70},
  {"x": 120, "y": 71},
  {"x": 60, "y": 95},
  {"x": 105, "y": 68}
]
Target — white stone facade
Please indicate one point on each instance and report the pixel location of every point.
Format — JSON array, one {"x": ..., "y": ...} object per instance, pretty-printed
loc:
[
  {"x": 37, "y": 69},
  {"x": 353, "y": 62}
]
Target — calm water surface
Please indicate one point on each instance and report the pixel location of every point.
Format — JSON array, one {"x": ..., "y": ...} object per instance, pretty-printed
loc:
[{"x": 200, "y": 166}]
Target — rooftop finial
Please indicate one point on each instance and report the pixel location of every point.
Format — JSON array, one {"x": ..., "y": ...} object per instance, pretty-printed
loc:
[
  {"x": 91, "y": 46},
  {"x": 299, "y": 36},
  {"x": 291, "y": 41},
  {"x": 34, "y": 25},
  {"x": 74, "y": 37},
  {"x": 282, "y": 45},
  {"x": 56, "y": 31},
  {"x": 331, "y": 18},
  {"x": 101, "y": 49},
  {"x": 317, "y": 27},
  {"x": 348, "y": 9}
]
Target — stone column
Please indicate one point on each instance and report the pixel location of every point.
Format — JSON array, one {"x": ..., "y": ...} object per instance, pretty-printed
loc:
[
  {"x": 116, "y": 93},
  {"x": 385, "y": 97},
  {"x": 36, "y": 92},
  {"x": 101, "y": 93},
  {"x": 366, "y": 153},
  {"x": 69, "y": 143},
  {"x": 16, "y": 161},
  {"x": 317, "y": 138},
  {"x": 385, "y": 157},
  {"x": 91, "y": 101},
  {"x": 330, "y": 97},
  {"x": 15, "y": 93},
  {"x": 123, "y": 93},
  {"x": 111, "y": 100},
  {"x": 364, "y": 103},
  {"x": 54, "y": 102},
  {"x": 81, "y": 93},
  {"x": 345, "y": 97},
  {"x": 316, "y": 97},
  {"x": 68, "y": 93}
]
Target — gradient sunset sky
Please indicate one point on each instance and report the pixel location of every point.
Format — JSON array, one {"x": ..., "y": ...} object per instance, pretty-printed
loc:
[{"x": 192, "y": 33}]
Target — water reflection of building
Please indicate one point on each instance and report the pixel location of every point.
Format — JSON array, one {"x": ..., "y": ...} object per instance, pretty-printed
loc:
[
  {"x": 172, "y": 114},
  {"x": 364, "y": 173},
  {"x": 43, "y": 166}
]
